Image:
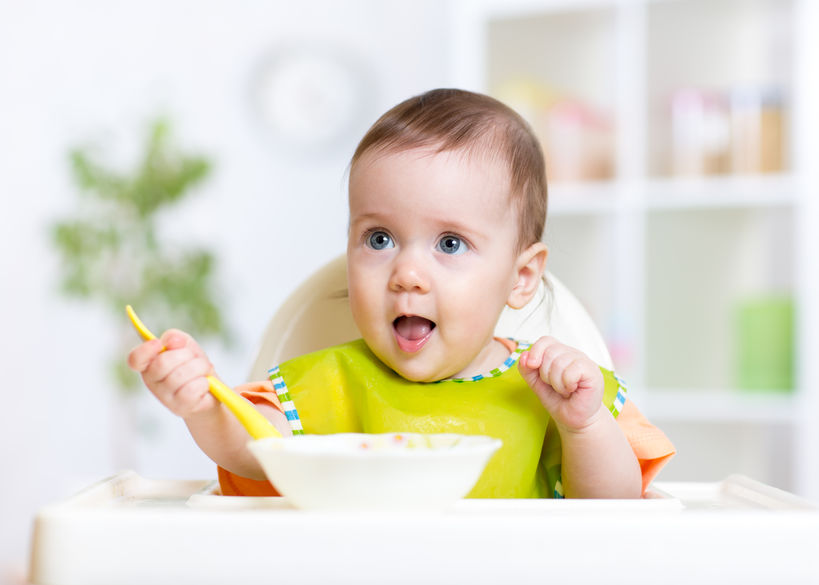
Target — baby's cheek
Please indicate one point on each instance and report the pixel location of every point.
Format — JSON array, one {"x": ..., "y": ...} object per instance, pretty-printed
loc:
[{"x": 358, "y": 308}]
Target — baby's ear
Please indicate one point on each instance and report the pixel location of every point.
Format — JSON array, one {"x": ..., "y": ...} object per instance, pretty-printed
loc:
[{"x": 528, "y": 270}]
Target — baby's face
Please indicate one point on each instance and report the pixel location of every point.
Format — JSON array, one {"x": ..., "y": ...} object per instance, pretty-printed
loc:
[{"x": 431, "y": 260}]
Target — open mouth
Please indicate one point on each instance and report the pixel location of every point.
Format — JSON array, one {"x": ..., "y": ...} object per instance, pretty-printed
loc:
[{"x": 412, "y": 332}]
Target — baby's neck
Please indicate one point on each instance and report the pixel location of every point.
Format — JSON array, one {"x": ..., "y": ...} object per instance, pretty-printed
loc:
[{"x": 490, "y": 357}]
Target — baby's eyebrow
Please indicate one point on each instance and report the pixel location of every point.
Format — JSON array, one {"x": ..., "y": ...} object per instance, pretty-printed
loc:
[
  {"x": 368, "y": 216},
  {"x": 457, "y": 227}
]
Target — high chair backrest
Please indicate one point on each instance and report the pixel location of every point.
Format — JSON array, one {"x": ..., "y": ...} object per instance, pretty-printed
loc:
[{"x": 317, "y": 315}]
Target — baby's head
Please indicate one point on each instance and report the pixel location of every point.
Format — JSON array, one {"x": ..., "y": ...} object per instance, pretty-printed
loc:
[
  {"x": 447, "y": 209},
  {"x": 475, "y": 125}
]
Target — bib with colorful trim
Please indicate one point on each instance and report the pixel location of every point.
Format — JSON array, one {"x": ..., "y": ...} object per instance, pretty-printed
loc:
[{"x": 347, "y": 389}]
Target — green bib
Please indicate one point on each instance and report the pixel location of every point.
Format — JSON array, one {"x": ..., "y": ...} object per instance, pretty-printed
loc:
[{"x": 347, "y": 389}]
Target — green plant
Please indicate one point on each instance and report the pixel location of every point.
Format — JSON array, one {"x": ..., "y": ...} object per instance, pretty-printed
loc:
[{"x": 112, "y": 252}]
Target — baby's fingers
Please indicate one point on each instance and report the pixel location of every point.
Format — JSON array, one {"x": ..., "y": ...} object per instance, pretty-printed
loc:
[
  {"x": 176, "y": 339},
  {"x": 535, "y": 357},
  {"x": 173, "y": 371},
  {"x": 141, "y": 356},
  {"x": 183, "y": 370},
  {"x": 552, "y": 357},
  {"x": 566, "y": 373},
  {"x": 192, "y": 397}
]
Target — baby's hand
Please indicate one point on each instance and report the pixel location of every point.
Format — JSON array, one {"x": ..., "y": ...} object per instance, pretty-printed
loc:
[
  {"x": 569, "y": 384},
  {"x": 176, "y": 376}
]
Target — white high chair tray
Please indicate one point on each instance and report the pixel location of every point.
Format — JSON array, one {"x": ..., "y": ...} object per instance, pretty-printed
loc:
[{"x": 132, "y": 530}]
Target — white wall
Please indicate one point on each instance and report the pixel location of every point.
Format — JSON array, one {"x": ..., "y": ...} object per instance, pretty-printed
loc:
[{"x": 98, "y": 70}]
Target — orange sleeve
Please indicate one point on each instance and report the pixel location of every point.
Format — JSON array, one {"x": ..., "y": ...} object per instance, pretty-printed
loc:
[
  {"x": 650, "y": 445},
  {"x": 231, "y": 484}
]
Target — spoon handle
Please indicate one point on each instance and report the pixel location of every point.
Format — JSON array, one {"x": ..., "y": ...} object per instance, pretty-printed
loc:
[{"x": 254, "y": 422}]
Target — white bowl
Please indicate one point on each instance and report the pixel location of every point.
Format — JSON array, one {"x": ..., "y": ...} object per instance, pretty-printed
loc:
[{"x": 385, "y": 471}]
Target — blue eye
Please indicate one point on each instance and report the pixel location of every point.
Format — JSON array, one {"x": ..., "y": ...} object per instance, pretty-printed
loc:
[
  {"x": 379, "y": 241},
  {"x": 452, "y": 245}
]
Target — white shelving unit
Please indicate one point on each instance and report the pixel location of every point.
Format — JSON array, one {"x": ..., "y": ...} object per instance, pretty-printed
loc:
[{"x": 664, "y": 259}]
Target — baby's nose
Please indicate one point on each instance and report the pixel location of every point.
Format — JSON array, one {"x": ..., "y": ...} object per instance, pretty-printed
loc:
[{"x": 409, "y": 275}]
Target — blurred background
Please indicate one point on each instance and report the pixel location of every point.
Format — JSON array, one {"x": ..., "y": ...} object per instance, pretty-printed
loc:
[{"x": 190, "y": 158}]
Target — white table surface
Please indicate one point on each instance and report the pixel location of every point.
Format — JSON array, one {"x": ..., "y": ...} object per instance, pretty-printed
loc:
[{"x": 131, "y": 530}]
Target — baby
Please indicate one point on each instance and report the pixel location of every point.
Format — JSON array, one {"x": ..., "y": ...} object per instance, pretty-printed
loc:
[{"x": 447, "y": 200}]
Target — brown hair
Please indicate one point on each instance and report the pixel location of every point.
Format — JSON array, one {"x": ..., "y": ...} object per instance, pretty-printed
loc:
[{"x": 455, "y": 119}]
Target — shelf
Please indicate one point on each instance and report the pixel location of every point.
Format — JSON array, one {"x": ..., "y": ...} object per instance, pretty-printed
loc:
[
  {"x": 719, "y": 406},
  {"x": 703, "y": 193},
  {"x": 742, "y": 50},
  {"x": 582, "y": 198},
  {"x": 701, "y": 270},
  {"x": 674, "y": 250},
  {"x": 729, "y": 191}
]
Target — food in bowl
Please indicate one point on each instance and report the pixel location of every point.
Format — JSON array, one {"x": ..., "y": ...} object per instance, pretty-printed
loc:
[{"x": 374, "y": 471}]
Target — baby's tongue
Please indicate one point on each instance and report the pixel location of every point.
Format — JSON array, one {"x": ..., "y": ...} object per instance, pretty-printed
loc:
[{"x": 413, "y": 327}]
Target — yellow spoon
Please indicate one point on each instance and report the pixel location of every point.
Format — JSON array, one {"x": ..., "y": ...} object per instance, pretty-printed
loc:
[{"x": 254, "y": 422}]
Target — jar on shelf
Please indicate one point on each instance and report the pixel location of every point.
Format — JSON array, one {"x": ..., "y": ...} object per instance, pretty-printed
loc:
[
  {"x": 757, "y": 130},
  {"x": 765, "y": 343},
  {"x": 578, "y": 142},
  {"x": 700, "y": 133},
  {"x": 577, "y": 137}
]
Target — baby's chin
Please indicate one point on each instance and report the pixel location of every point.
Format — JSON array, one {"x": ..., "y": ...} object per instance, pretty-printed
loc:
[
  {"x": 420, "y": 378},
  {"x": 416, "y": 374},
  {"x": 413, "y": 369}
]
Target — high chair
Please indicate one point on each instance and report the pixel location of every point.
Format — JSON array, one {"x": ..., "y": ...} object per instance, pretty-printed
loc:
[
  {"x": 127, "y": 530},
  {"x": 317, "y": 315}
]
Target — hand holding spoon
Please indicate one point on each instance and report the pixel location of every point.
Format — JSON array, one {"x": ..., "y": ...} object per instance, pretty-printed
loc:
[{"x": 254, "y": 422}]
